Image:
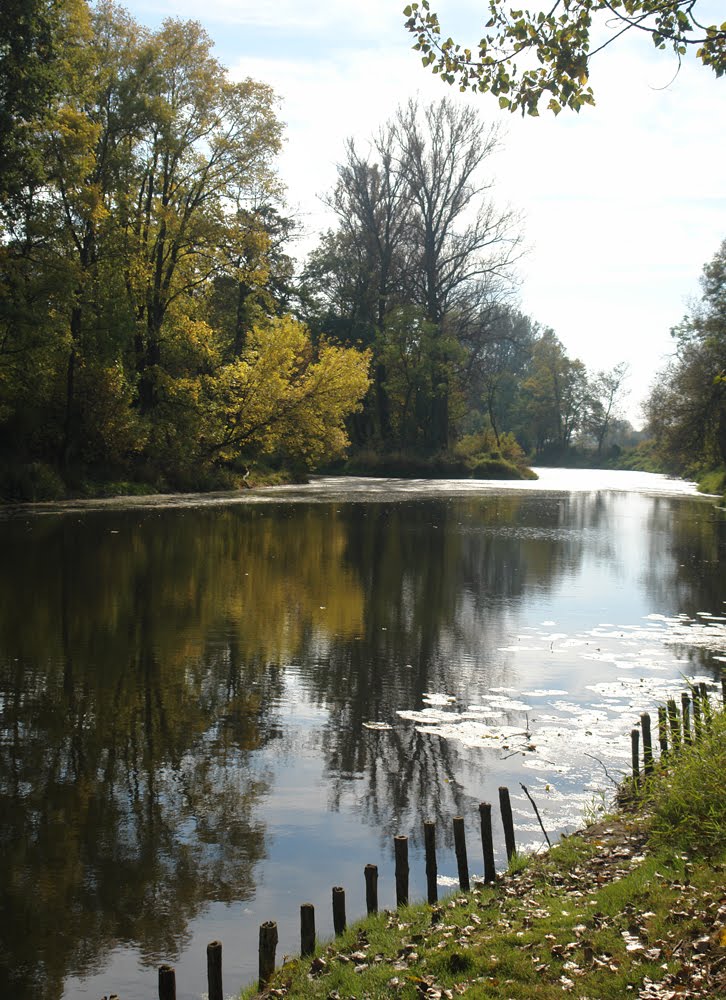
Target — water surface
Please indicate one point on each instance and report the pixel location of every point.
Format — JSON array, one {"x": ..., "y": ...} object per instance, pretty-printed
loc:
[{"x": 215, "y": 708}]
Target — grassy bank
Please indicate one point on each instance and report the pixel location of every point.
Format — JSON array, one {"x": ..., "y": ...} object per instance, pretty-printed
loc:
[{"x": 634, "y": 906}]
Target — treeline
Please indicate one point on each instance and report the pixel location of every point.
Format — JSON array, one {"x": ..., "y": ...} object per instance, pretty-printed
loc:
[
  {"x": 144, "y": 321},
  {"x": 686, "y": 409},
  {"x": 153, "y": 328},
  {"x": 420, "y": 269}
]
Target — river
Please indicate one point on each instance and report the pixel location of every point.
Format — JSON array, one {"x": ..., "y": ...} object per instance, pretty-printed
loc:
[{"x": 215, "y": 708}]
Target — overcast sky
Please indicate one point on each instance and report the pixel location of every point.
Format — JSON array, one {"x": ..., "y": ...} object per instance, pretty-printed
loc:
[{"x": 621, "y": 204}]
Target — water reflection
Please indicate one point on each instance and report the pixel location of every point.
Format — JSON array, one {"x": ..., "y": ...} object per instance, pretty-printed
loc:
[{"x": 143, "y": 685}]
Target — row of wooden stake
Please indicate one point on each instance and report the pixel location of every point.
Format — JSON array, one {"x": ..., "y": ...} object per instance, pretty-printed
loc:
[
  {"x": 268, "y": 938},
  {"x": 674, "y": 731},
  {"x": 674, "y": 727}
]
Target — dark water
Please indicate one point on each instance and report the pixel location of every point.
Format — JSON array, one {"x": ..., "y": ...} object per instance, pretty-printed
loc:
[{"x": 186, "y": 695}]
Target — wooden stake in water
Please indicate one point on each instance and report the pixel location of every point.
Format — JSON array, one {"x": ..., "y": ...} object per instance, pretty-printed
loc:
[
  {"x": 505, "y": 807},
  {"x": 338, "y": 909},
  {"x": 432, "y": 890},
  {"x": 370, "y": 873},
  {"x": 167, "y": 983},
  {"x": 266, "y": 952},
  {"x": 460, "y": 848},
  {"x": 307, "y": 929},
  {"x": 674, "y": 725},
  {"x": 400, "y": 850},
  {"x": 705, "y": 704},
  {"x": 635, "y": 749},
  {"x": 647, "y": 744},
  {"x": 697, "y": 724},
  {"x": 487, "y": 841},
  {"x": 686, "y": 714},
  {"x": 662, "y": 731},
  {"x": 214, "y": 971}
]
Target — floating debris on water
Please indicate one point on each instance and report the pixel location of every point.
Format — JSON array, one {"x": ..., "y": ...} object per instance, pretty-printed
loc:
[{"x": 438, "y": 699}]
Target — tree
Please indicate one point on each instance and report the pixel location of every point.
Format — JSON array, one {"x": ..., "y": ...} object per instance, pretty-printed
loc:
[
  {"x": 420, "y": 252},
  {"x": 604, "y": 392},
  {"x": 143, "y": 267},
  {"x": 686, "y": 408},
  {"x": 559, "y": 42},
  {"x": 38, "y": 40},
  {"x": 553, "y": 394}
]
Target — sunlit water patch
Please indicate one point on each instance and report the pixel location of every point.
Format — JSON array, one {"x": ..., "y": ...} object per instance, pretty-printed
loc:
[{"x": 576, "y": 742}]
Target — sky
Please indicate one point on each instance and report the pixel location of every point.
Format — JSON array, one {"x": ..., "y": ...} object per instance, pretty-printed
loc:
[{"x": 621, "y": 205}]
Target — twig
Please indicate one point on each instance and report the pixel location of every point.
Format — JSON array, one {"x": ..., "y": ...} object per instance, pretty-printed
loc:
[
  {"x": 536, "y": 812},
  {"x": 608, "y": 775}
]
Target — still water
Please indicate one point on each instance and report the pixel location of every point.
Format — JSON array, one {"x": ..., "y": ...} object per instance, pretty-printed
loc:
[{"x": 213, "y": 709}]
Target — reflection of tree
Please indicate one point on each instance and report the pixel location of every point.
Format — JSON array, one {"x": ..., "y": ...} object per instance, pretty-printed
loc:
[
  {"x": 139, "y": 672},
  {"x": 684, "y": 570},
  {"x": 142, "y": 659},
  {"x": 440, "y": 581}
]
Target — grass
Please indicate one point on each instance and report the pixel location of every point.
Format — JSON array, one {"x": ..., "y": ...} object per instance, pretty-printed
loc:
[{"x": 634, "y": 901}]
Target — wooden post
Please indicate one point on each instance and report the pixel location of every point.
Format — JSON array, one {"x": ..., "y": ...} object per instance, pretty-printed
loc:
[
  {"x": 635, "y": 747},
  {"x": 647, "y": 744},
  {"x": 167, "y": 983},
  {"x": 432, "y": 890},
  {"x": 696, "y": 714},
  {"x": 400, "y": 849},
  {"x": 307, "y": 929},
  {"x": 371, "y": 876},
  {"x": 662, "y": 731},
  {"x": 706, "y": 704},
  {"x": 723, "y": 687},
  {"x": 505, "y": 807},
  {"x": 460, "y": 848},
  {"x": 214, "y": 971},
  {"x": 686, "y": 714},
  {"x": 674, "y": 725},
  {"x": 338, "y": 909},
  {"x": 266, "y": 952},
  {"x": 487, "y": 841}
]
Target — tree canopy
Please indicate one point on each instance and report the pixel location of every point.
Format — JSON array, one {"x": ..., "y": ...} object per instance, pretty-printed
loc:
[
  {"x": 144, "y": 330},
  {"x": 526, "y": 55}
]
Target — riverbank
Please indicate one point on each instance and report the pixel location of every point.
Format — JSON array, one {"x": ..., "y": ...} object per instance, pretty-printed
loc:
[{"x": 631, "y": 906}]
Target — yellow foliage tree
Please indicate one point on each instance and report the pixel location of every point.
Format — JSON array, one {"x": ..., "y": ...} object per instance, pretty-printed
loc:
[{"x": 284, "y": 396}]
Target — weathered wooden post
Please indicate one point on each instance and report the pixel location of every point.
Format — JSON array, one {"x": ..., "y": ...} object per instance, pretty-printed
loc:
[
  {"x": 338, "y": 909},
  {"x": 460, "y": 848},
  {"x": 505, "y": 807},
  {"x": 674, "y": 725},
  {"x": 266, "y": 952},
  {"x": 706, "y": 704},
  {"x": 214, "y": 971},
  {"x": 647, "y": 744},
  {"x": 662, "y": 731},
  {"x": 686, "y": 716},
  {"x": 697, "y": 723},
  {"x": 307, "y": 929},
  {"x": 487, "y": 841},
  {"x": 400, "y": 850},
  {"x": 167, "y": 983},
  {"x": 432, "y": 890},
  {"x": 370, "y": 873},
  {"x": 634, "y": 750}
]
